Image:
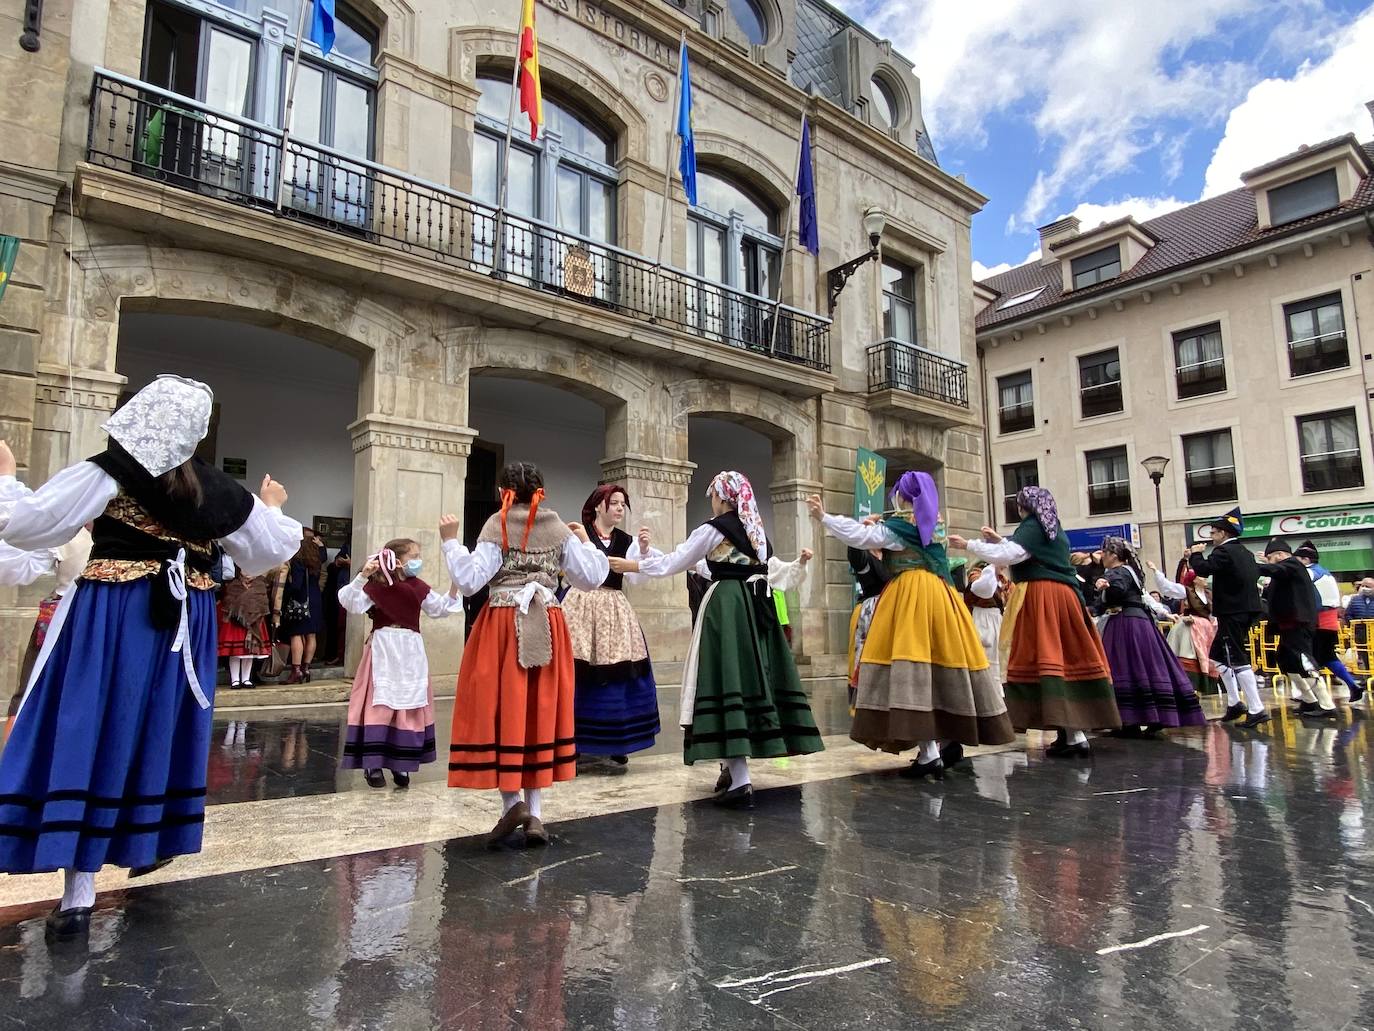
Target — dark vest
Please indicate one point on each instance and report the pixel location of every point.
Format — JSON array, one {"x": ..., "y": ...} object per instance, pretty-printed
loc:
[
  {"x": 396, "y": 604},
  {"x": 618, "y": 547}
]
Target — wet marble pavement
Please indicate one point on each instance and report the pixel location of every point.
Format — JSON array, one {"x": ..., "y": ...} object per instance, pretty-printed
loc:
[{"x": 1219, "y": 879}]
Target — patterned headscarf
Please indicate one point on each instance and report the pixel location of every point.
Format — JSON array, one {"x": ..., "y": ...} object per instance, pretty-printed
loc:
[
  {"x": 162, "y": 425},
  {"x": 1122, "y": 549},
  {"x": 919, "y": 491},
  {"x": 737, "y": 490},
  {"x": 1040, "y": 502}
]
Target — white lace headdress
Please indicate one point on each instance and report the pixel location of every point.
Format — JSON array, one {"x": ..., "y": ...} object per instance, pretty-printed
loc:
[{"x": 163, "y": 423}]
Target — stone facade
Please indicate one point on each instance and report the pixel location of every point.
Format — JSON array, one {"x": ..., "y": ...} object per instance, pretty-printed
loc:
[{"x": 100, "y": 242}]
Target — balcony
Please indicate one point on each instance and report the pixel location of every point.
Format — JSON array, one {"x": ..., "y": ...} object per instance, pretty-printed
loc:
[
  {"x": 904, "y": 377},
  {"x": 139, "y": 129}
]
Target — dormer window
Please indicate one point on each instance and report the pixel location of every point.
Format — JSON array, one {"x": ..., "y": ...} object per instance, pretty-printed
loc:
[
  {"x": 1097, "y": 266},
  {"x": 1310, "y": 196}
]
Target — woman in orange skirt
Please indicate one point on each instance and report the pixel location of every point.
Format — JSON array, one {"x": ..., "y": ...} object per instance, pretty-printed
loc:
[
  {"x": 513, "y": 727},
  {"x": 1056, "y": 672}
]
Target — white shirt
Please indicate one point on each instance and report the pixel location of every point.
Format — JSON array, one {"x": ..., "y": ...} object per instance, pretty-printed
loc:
[
  {"x": 691, "y": 554},
  {"x": 1004, "y": 553},
  {"x": 353, "y": 598},
  {"x": 400, "y": 668},
  {"x": 20, "y": 568},
  {"x": 869, "y": 536},
  {"x": 584, "y": 565},
  {"x": 55, "y": 513}
]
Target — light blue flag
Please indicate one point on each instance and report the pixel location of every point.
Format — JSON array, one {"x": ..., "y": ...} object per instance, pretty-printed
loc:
[
  {"x": 322, "y": 25},
  {"x": 687, "y": 155}
]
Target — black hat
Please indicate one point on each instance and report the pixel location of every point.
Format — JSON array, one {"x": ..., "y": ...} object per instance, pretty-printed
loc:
[
  {"x": 1307, "y": 550},
  {"x": 1278, "y": 544},
  {"x": 1232, "y": 522}
]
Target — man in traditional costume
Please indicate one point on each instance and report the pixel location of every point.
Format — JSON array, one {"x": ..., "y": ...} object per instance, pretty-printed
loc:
[
  {"x": 1327, "y": 635},
  {"x": 1293, "y": 613}
]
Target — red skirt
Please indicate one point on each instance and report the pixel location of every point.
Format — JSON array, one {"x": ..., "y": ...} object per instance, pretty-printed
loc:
[
  {"x": 238, "y": 642},
  {"x": 512, "y": 727}
]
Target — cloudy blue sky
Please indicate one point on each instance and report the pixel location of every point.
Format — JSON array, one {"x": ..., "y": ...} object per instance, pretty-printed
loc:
[{"x": 1052, "y": 107}]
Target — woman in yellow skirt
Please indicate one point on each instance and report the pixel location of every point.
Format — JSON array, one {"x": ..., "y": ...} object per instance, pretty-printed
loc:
[{"x": 923, "y": 675}]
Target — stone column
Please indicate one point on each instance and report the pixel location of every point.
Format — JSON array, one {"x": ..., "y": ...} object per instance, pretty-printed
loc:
[
  {"x": 658, "y": 492},
  {"x": 792, "y": 531},
  {"x": 406, "y": 474}
]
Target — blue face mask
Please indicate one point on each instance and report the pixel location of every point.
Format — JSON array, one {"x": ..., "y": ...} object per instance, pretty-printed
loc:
[{"x": 413, "y": 566}]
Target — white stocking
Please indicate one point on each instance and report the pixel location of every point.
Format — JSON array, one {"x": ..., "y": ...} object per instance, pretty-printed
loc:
[
  {"x": 1253, "y": 703},
  {"x": 1077, "y": 737},
  {"x": 1323, "y": 693},
  {"x": 508, "y": 800},
  {"x": 534, "y": 798},
  {"x": 739, "y": 772},
  {"x": 930, "y": 751},
  {"x": 79, "y": 890},
  {"x": 1228, "y": 681}
]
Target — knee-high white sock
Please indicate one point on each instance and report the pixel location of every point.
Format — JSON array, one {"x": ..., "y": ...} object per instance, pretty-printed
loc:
[
  {"x": 534, "y": 798},
  {"x": 1077, "y": 737},
  {"x": 1323, "y": 692},
  {"x": 739, "y": 771},
  {"x": 508, "y": 800},
  {"x": 79, "y": 889},
  {"x": 1228, "y": 681},
  {"x": 246, "y": 670},
  {"x": 1246, "y": 677},
  {"x": 1302, "y": 687},
  {"x": 930, "y": 751}
]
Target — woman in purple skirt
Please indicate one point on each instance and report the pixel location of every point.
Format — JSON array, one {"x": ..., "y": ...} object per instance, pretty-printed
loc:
[{"x": 1152, "y": 690}]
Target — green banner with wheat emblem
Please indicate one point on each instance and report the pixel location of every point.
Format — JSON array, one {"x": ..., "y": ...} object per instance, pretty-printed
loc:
[{"x": 870, "y": 477}]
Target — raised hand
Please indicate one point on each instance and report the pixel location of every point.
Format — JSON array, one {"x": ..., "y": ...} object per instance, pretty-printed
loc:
[
  {"x": 579, "y": 531},
  {"x": 273, "y": 494},
  {"x": 448, "y": 528},
  {"x": 645, "y": 537},
  {"x": 623, "y": 565},
  {"x": 957, "y": 542},
  {"x": 806, "y": 555},
  {"x": 370, "y": 568},
  {"x": 990, "y": 535},
  {"x": 816, "y": 506}
]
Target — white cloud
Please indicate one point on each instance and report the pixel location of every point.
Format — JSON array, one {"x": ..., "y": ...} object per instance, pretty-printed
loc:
[
  {"x": 1143, "y": 208},
  {"x": 982, "y": 272},
  {"x": 1321, "y": 100}
]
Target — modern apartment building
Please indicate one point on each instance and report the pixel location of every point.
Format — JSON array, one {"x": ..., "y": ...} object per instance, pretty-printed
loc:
[{"x": 1231, "y": 337}]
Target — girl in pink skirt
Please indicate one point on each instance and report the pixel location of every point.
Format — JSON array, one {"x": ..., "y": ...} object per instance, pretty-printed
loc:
[{"x": 391, "y": 709}]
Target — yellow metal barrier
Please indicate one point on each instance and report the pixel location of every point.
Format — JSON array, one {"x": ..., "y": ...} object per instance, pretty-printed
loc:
[{"x": 1357, "y": 636}]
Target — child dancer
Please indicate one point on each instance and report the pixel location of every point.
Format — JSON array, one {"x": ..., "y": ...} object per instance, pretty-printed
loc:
[
  {"x": 872, "y": 575},
  {"x": 106, "y": 759},
  {"x": 391, "y": 706},
  {"x": 1191, "y": 637},
  {"x": 923, "y": 675},
  {"x": 243, "y": 607},
  {"x": 741, "y": 695},
  {"x": 513, "y": 727},
  {"x": 1056, "y": 672},
  {"x": 616, "y": 708},
  {"x": 1152, "y": 691},
  {"x": 986, "y": 599}
]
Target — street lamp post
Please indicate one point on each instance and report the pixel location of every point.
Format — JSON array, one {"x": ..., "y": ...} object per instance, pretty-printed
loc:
[{"x": 1154, "y": 465}]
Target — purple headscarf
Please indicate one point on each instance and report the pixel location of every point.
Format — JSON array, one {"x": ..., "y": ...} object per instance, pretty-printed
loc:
[
  {"x": 918, "y": 489},
  {"x": 1040, "y": 502}
]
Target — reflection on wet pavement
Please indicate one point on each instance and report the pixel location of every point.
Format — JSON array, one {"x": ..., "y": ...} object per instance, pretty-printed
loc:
[{"x": 1214, "y": 880}]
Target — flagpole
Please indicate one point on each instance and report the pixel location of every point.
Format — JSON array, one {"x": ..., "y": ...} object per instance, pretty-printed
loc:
[
  {"x": 668, "y": 158},
  {"x": 290, "y": 102},
  {"x": 502, "y": 189},
  {"x": 787, "y": 234}
]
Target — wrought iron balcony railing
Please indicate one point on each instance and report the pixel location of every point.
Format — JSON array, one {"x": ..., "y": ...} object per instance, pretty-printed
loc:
[
  {"x": 138, "y": 128},
  {"x": 897, "y": 365}
]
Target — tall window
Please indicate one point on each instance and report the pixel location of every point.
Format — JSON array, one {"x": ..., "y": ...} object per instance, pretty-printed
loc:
[
  {"x": 728, "y": 210},
  {"x": 1310, "y": 196},
  {"x": 1109, "y": 484},
  {"x": 1316, "y": 335},
  {"x": 1015, "y": 402},
  {"x": 1209, "y": 467},
  {"x": 899, "y": 301},
  {"x": 1099, "y": 383},
  {"x": 1014, "y": 477},
  {"x": 1097, "y": 267},
  {"x": 750, "y": 18},
  {"x": 1199, "y": 365},
  {"x": 1329, "y": 445}
]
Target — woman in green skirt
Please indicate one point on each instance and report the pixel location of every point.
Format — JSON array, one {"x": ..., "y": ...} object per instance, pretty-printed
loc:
[{"x": 741, "y": 696}]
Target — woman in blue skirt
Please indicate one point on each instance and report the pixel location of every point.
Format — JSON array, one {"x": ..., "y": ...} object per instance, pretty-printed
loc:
[{"x": 106, "y": 756}]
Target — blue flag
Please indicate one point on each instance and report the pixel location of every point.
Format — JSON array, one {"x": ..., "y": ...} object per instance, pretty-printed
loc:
[
  {"x": 322, "y": 25},
  {"x": 687, "y": 155},
  {"x": 807, "y": 229}
]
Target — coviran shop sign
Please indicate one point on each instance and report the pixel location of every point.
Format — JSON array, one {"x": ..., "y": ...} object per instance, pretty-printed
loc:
[{"x": 1298, "y": 524}]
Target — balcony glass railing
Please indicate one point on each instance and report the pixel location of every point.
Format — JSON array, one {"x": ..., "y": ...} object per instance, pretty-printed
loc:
[{"x": 139, "y": 128}]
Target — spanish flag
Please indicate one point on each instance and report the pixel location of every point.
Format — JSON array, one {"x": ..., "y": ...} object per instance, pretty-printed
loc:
[{"x": 531, "y": 98}]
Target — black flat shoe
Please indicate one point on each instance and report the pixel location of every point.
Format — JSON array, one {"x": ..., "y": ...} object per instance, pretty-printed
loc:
[
  {"x": 1082, "y": 750},
  {"x": 933, "y": 770},
  {"x": 952, "y": 754},
  {"x": 621, "y": 760},
  {"x": 143, "y": 871},
  {"x": 375, "y": 778},
  {"x": 1254, "y": 719},
  {"x": 67, "y": 924},
  {"x": 1326, "y": 714},
  {"x": 1307, "y": 709},
  {"x": 1128, "y": 732},
  {"x": 723, "y": 781},
  {"x": 1233, "y": 712},
  {"x": 1356, "y": 694},
  {"x": 736, "y": 798},
  {"x": 401, "y": 780}
]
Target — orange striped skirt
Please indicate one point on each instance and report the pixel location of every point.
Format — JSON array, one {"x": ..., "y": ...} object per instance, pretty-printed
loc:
[{"x": 512, "y": 727}]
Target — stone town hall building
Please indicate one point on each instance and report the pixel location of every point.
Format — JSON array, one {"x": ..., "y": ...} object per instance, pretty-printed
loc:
[{"x": 374, "y": 348}]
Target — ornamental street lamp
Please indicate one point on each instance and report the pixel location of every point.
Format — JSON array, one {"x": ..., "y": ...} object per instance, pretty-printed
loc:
[
  {"x": 1154, "y": 465},
  {"x": 874, "y": 224}
]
